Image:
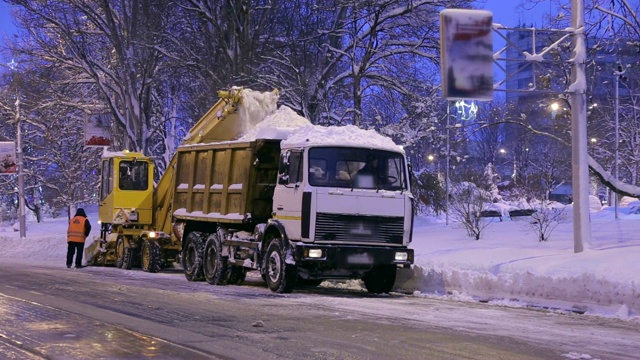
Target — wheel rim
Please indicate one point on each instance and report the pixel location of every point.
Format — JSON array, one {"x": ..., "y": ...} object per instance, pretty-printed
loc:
[
  {"x": 145, "y": 257},
  {"x": 190, "y": 257},
  {"x": 210, "y": 262},
  {"x": 274, "y": 267},
  {"x": 119, "y": 249}
]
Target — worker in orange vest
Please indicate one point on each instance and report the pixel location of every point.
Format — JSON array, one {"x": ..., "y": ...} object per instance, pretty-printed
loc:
[{"x": 79, "y": 228}]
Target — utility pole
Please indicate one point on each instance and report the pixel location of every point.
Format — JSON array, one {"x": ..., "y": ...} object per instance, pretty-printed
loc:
[
  {"x": 580, "y": 170},
  {"x": 20, "y": 160}
]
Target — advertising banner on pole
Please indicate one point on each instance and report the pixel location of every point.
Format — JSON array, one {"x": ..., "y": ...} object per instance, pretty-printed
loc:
[
  {"x": 8, "y": 158},
  {"x": 466, "y": 54},
  {"x": 95, "y": 134}
]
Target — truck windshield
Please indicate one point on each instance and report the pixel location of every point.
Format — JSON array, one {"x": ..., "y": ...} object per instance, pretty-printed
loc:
[
  {"x": 133, "y": 175},
  {"x": 356, "y": 168}
]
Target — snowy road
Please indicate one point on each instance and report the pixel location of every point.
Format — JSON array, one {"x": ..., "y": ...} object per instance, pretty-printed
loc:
[{"x": 106, "y": 313}]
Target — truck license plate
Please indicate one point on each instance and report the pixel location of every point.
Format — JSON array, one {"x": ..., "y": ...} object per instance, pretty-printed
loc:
[{"x": 359, "y": 259}]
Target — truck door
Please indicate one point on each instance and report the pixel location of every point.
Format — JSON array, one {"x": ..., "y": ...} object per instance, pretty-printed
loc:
[
  {"x": 105, "y": 211},
  {"x": 288, "y": 194}
]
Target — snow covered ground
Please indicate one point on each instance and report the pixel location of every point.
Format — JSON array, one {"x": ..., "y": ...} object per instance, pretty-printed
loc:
[{"x": 508, "y": 266}]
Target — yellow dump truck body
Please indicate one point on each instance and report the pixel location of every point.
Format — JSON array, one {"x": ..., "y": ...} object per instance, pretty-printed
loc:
[{"x": 229, "y": 182}]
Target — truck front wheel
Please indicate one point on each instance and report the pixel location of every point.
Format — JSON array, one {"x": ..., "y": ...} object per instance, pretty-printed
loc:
[
  {"x": 215, "y": 267},
  {"x": 150, "y": 256},
  {"x": 119, "y": 252},
  {"x": 124, "y": 255},
  {"x": 281, "y": 277},
  {"x": 380, "y": 279},
  {"x": 192, "y": 256}
]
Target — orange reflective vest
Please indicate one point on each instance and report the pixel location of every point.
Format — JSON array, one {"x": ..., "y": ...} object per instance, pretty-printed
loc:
[{"x": 76, "y": 229}]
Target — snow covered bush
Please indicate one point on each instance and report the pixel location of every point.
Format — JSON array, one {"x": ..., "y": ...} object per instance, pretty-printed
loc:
[
  {"x": 490, "y": 180},
  {"x": 546, "y": 218},
  {"x": 467, "y": 202},
  {"x": 8, "y": 214},
  {"x": 430, "y": 193}
]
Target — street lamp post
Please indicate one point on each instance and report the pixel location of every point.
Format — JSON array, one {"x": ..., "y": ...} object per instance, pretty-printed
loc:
[
  {"x": 447, "y": 164},
  {"x": 515, "y": 164},
  {"x": 20, "y": 162},
  {"x": 617, "y": 75}
]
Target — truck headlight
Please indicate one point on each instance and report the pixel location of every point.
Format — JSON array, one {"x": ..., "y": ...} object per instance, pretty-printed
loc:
[
  {"x": 315, "y": 253},
  {"x": 401, "y": 256}
]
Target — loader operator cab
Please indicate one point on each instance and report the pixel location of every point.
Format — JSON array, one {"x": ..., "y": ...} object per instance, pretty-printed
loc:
[{"x": 126, "y": 189}]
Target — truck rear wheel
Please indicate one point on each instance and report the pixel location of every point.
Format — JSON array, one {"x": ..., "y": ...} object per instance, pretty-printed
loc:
[
  {"x": 192, "y": 256},
  {"x": 150, "y": 256},
  {"x": 380, "y": 279},
  {"x": 215, "y": 268},
  {"x": 281, "y": 277}
]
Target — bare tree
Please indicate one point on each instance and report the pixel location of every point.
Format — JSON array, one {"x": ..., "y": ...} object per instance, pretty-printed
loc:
[
  {"x": 58, "y": 171},
  {"x": 467, "y": 203},
  {"x": 546, "y": 218},
  {"x": 108, "y": 51}
]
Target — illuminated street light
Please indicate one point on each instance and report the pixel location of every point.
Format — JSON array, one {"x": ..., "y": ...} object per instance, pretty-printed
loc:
[
  {"x": 554, "y": 109},
  {"x": 515, "y": 167}
]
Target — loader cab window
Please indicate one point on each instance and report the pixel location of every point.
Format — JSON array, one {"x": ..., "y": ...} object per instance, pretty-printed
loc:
[
  {"x": 133, "y": 175},
  {"x": 106, "y": 184}
]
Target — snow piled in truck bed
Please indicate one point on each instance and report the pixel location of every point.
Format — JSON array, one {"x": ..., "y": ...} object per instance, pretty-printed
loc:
[
  {"x": 278, "y": 125},
  {"x": 255, "y": 106},
  {"x": 261, "y": 120}
]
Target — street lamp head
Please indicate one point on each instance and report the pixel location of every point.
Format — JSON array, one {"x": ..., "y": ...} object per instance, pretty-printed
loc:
[
  {"x": 555, "y": 106},
  {"x": 594, "y": 140},
  {"x": 430, "y": 157},
  {"x": 503, "y": 151}
]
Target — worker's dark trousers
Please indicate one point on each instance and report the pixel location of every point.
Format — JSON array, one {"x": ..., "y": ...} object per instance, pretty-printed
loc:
[{"x": 71, "y": 249}]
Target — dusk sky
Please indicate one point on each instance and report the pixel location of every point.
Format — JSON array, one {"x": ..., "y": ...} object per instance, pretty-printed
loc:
[
  {"x": 6, "y": 24},
  {"x": 508, "y": 15}
]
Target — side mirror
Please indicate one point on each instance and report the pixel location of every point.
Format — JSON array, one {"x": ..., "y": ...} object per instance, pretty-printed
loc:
[
  {"x": 283, "y": 169},
  {"x": 283, "y": 178}
]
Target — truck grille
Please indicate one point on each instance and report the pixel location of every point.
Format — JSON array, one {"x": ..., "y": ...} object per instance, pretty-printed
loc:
[{"x": 347, "y": 228}]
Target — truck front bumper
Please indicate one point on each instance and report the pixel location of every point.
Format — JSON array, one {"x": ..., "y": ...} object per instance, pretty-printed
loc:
[{"x": 351, "y": 256}]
